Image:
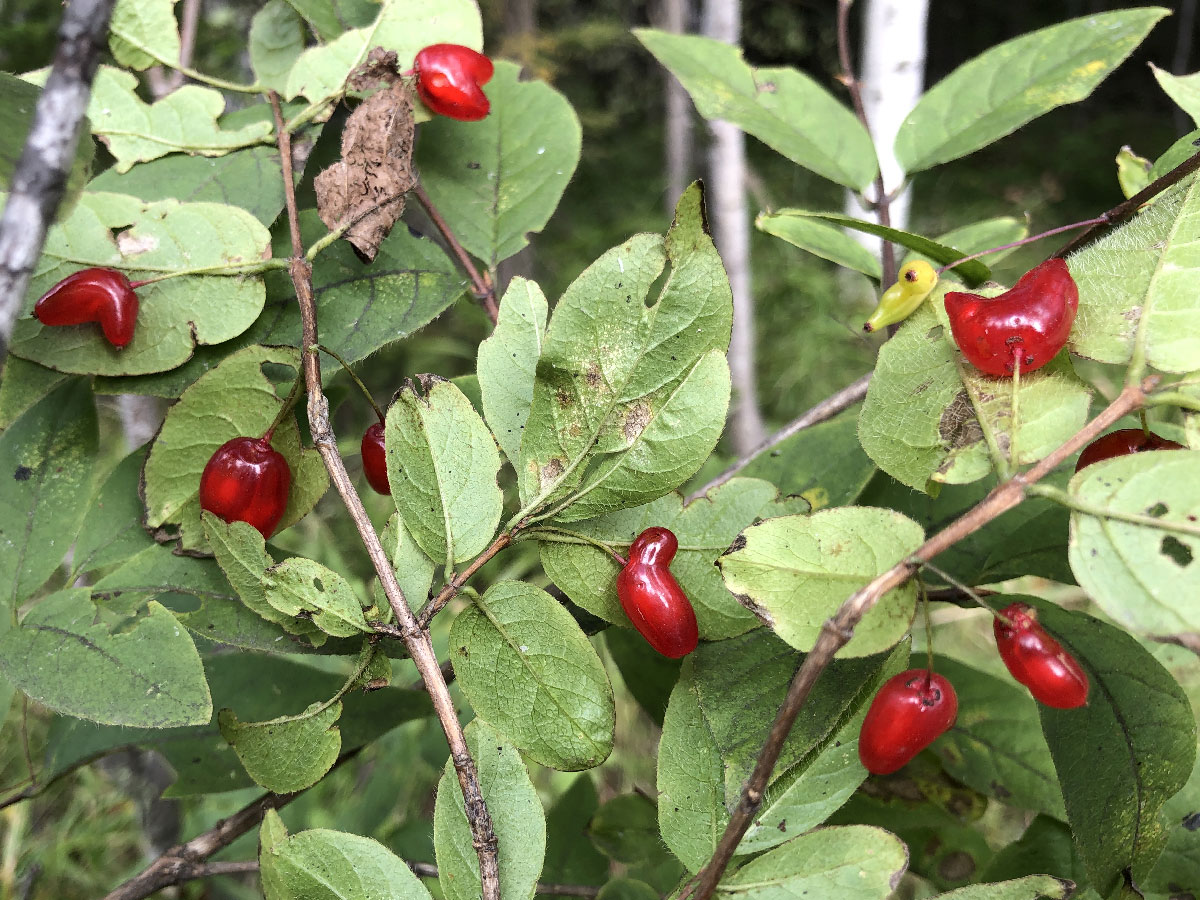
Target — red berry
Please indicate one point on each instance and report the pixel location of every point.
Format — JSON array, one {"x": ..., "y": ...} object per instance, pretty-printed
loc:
[
  {"x": 373, "y": 459},
  {"x": 1122, "y": 443},
  {"x": 247, "y": 480},
  {"x": 1033, "y": 317},
  {"x": 908, "y": 713},
  {"x": 92, "y": 295},
  {"x": 1037, "y": 660},
  {"x": 653, "y": 599},
  {"x": 450, "y": 79}
]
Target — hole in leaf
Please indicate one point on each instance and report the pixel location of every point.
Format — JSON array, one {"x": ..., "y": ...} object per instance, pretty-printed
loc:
[
  {"x": 1179, "y": 552},
  {"x": 1157, "y": 511},
  {"x": 934, "y": 333},
  {"x": 318, "y": 584}
]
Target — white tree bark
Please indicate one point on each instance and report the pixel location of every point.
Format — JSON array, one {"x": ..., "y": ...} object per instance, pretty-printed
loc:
[
  {"x": 892, "y": 79},
  {"x": 676, "y": 15},
  {"x": 731, "y": 232}
]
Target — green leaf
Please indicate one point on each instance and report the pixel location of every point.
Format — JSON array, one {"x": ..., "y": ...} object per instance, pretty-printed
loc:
[
  {"x": 720, "y": 714},
  {"x": 112, "y": 529},
  {"x": 46, "y": 462},
  {"x": 363, "y": 307},
  {"x": 625, "y": 829},
  {"x": 972, "y": 271},
  {"x": 1045, "y": 847},
  {"x": 918, "y": 422},
  {"x": 649, "y": 677},
  {"x": 508, "y": 361},
  {"x": 530, "y": 672},
  {"x": 824, "y": 464},
  {"x": 256, "y": 687},
  {"x": 997, "y": 92},
  {"x": 1178, "y": 153},
  {"x": 783, "y": 108},
  {"x": 144, "y": 32},
  {"x": 18, "y": 98},
  {"x": 303, "y": 588},
  {"x": 23, "y": 384},
  {"x": 705, "y": 529},
  {"x": 1133, "y": 171},
  {"x": 152, "y": 239},
  {"x": 276, "y": 41},
  {"x": 1029, "y": 888},
  {"x": 442, "y": 464},
  {"x": 628, "y": 405},
  {"x": 570, "y": 856},
  {"x": 1141, "y": 576},
  {"x": 517, "y": 818},
  {"x": 232, "y": 400},
  {"x": 853, "y": 862},
  {"x": 330, "y": 18},
  {"x": 251, "y": 179},
  {"x": 496, "y": 180},
  {"x": 414, "y": 570},
  {"x": 821, "y": 239},
  {"x": 241, "y": 553},
  {"x": 1120, "y": 757},
  {"x": 184, "y": 121},
  {"x": 320, "y": 864},
  {"x": 1139, "y": 284},
  {"x": 147, "y": 674},
  {"x": 794, "y": 572},
  {"x": 1183, "y": 89},
  {"x": 401, "y": 27},
  {"x": 286, "y": 754},
  {"x": 1179, "y": 864},
  {"x": 995, "y": 745}
]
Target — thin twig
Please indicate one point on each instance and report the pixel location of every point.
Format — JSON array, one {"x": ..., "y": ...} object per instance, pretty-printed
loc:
[
  {"x": 882, "y": 204},
  {"x": 416, "y": 639},
  {"x": 429, "y": 870},
  {"x": 40, "y": 177},
  {"x": 481, "y": 284},
  {"x": 826, "y": 409},
  {"x": 454, "y": 585},
  {"x": 838, "y": 630},
  {"x": 1128, "y": 208}
]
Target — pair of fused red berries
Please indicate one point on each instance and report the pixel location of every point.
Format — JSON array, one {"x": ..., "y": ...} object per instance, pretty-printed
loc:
[
  {"x": 1028, "y": 323},
  {"x": 99, "y": 295},
  {"x": 652, "y": 598},
  {"x": 450, "y": 79},
  {"x": 914, "y": 708}
]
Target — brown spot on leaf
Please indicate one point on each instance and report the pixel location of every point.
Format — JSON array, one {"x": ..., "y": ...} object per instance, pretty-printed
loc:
[
  {"x": 958, "y": 426},
  {"x": 367, "y": 186},
  {"x": 593, "y": 376},
  {"x": 957, "y": 866},
  {"x": 563, "y": 397},
  {"x": 550, "y": 472},
  {"x": 636, "y": 421}
]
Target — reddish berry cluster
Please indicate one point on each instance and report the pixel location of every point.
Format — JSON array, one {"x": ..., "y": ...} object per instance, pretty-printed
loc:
[
  {"x": 916, "y": 707},
  {"x": 653, "y": 599},
  {"x": 1028, "y": 323}
]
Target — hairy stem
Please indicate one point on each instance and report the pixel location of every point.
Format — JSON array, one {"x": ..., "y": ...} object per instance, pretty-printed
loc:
[{"x": 454, "y": 585}]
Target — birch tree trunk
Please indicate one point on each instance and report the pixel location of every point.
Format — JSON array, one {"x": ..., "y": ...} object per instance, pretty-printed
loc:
[
  {"x": 892, "y": 79},
  {"x": 676, "y": 16},
  {"x": 731, "y": 232}
]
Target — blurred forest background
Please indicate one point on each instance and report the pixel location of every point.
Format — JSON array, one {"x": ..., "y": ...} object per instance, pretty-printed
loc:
[{"x": 85, "y": 834}]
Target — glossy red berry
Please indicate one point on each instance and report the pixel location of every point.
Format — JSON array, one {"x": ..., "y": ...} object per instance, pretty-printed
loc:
[
  {"x": 1122, "y": 443},
  {"x": 1037, "y": 660},
  {"x": 653, "y": 599},
  {"x": 1033, "y": 318},
  {"x": 373, "y": 459},
  {"x": 247, "y": 480},
  {"x": 450, "y": 79},
  {"x": 92, "y": 295},
  {"x": 908, "y": 713}
]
